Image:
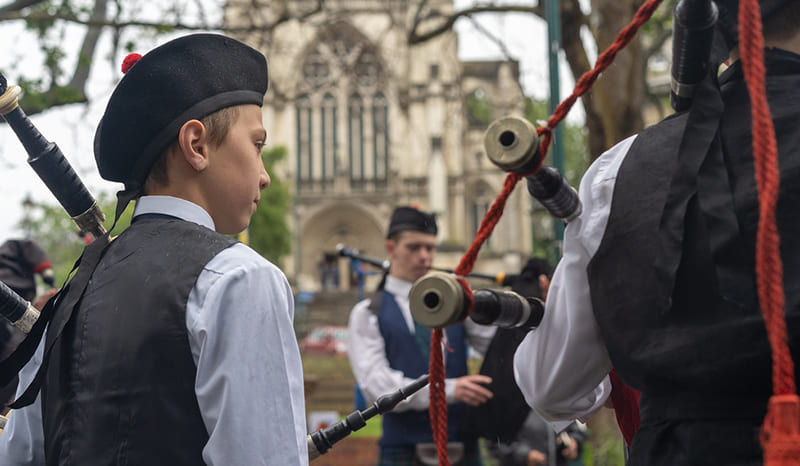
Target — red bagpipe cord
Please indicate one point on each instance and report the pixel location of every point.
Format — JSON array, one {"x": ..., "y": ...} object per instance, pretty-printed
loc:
[
  {"x": 438, "y": 401},
  {"x": 780, "y": 433}
]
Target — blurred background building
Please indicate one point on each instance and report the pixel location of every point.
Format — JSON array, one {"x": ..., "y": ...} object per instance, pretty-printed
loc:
[{"x": 371, "y": 123}]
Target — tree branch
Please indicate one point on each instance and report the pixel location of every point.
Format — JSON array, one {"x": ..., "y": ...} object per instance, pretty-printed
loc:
[
  {"x": 19, "y": 5},
  {"x": 503, "y": 49},
  {"x": 159, "y": 25},
  {"x": 415, "y": 37},
  {"x": 88, "y": 47}
]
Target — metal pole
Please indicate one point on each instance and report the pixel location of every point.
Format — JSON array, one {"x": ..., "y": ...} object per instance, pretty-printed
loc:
[
  {"x": 296, "y": 204},
  {"x": 553, "y": 18}
]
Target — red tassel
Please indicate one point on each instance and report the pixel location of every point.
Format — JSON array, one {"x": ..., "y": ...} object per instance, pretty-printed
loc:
[
  {"x": 780, "y": 433},
  {"x": 626, "y": 407},
  {"x": 129, "y": 61}
]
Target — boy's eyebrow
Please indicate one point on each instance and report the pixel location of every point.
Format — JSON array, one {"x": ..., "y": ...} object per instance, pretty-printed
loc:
[{"x": 418, "y": 244}]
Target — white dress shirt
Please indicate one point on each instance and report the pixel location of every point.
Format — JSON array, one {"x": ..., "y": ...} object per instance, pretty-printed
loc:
[
  {"x": 562, "y": 366},
  {"x": 368, "y": 355},
  {"x": 249, "y": 381}
]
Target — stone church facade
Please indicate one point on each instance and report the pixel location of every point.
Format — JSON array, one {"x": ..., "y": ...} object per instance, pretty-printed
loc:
[{"x": 371, "y": 123}]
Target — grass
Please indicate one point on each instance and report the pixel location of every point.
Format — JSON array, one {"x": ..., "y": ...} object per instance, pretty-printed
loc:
[{"x": 325, "y": 365}]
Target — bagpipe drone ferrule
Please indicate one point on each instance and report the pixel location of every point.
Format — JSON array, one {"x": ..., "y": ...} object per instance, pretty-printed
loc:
[
  {"x": 16, "y": 310},
  {"x": 512, "y": 144},
  {"x": 437, "y": 300}
]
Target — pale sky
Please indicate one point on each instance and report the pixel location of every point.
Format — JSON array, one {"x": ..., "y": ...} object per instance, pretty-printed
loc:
[{"x": 72, "y": 127}]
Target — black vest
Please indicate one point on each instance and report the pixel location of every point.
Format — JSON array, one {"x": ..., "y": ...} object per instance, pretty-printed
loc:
[
  {"x": 120, "y": 385},
  {"x": 408, "y": 353}
]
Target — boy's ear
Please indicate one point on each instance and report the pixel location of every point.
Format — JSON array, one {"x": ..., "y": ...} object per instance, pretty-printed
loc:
[
  {"x": 192, "y": 141},
  {"x": 389, "y": 244}
]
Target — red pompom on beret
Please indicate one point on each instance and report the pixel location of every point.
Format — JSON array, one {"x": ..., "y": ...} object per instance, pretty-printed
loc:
[{"x": 129, "y": 61}]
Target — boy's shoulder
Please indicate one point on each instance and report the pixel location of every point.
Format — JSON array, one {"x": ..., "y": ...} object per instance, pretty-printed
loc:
[{"x": 241, "y": 256}]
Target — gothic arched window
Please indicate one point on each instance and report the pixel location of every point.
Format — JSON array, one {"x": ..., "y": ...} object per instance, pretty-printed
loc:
[
  {"x": 342, "y": 75},
  {"x": 305, "y": 136},
  {"x": 355, "y": 139},
  {"x": 481, "y": 202},
  {"x": 380, "y": 136},
  {"x": 329, "y": 139}
]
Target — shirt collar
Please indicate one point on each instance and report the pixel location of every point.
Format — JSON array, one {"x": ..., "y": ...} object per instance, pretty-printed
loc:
[
  {"x": 397, "y": 287},
  {"x": 174, "y": 206}
]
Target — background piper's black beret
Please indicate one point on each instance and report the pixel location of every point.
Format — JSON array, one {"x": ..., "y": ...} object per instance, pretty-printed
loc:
[
  {"x": 526, "y": 283},
  {"x": 729, "y": 14},
  {"x": 411, "y": 219},
  {"x": 187, "y": 78}
]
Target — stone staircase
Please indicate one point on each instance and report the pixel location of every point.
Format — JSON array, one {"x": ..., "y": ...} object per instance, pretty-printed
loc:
[
  {"x": 325, "y": 308},
  {"x": 330, "y": 384},
  {"x": 330, "y": 394}
]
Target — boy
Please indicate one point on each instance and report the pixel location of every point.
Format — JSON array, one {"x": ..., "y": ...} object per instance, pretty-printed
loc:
[
  {"x": 388, "y": 349},
  {"x": 181, "y": 349}
]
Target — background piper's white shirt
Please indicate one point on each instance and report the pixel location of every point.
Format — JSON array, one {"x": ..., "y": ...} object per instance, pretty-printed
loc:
[
  {"x": 367, "y": 352},
  {"x": 249, "y": 382},
  {"x": 562, "y": 366}
]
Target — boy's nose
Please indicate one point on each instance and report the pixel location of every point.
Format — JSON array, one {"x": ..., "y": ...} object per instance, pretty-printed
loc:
[{"x": 264, "y": 179}]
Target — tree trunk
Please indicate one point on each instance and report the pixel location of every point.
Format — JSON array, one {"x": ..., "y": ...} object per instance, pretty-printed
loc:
[
  {"x": 619, "y": 94},
  {"x": 572, "y": 20},
  {"x": 614, "y": 105}
]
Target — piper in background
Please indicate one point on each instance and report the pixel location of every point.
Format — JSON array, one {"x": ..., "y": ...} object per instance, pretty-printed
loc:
[{"x": 388, "y": 349}]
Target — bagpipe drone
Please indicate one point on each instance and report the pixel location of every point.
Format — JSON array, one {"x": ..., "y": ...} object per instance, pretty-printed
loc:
[{"x": 52, "y": 167}]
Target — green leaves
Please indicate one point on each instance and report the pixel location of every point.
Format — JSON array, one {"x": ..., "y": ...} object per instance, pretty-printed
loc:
[{"x": 269, "y": 233}]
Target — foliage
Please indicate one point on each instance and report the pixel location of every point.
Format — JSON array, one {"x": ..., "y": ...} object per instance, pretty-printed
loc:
[
  {"x": 56, "y": 232},
  {"x": 478, "y": 107},
  {"x": 269, "y": 234},
  {"x": 605, "y": 446}
]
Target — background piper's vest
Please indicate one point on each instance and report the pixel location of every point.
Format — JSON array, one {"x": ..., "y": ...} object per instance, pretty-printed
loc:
[
  {"x": 691, "y": 337},
  {"x": 120, "y": 384},
  {"x": 405, "y": 353}
]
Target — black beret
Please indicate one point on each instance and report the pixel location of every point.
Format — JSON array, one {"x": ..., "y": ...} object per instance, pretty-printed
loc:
[
  {"x": 527, "y": 282},
  {"x": 729, "y": 14},
  {"x": 185, "y": 79},
  {"x": 411, "y": 219}
]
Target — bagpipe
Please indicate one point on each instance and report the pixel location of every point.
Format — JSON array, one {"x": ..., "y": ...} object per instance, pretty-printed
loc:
[
  {"x": 512, "y": 144},
  {"x": 55, "y": 171},
  {"x": 49, "y": 163},
  {"x": 355, "y": 255},
  {"x": 321, "y": 441}
]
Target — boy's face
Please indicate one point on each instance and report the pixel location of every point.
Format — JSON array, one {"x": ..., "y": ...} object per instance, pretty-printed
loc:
[
  {"x": 236, "y": 173},
  {"x": 411, "y": 254}
]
